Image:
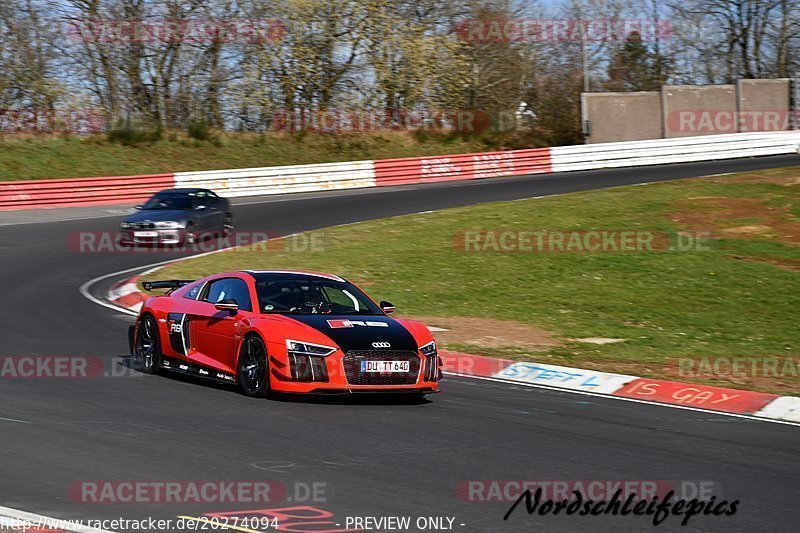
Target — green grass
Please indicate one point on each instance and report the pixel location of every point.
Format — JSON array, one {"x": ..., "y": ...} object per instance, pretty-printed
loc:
[
  {"x": 54, "y": 157},
  {"x": 723, "y": 301}
]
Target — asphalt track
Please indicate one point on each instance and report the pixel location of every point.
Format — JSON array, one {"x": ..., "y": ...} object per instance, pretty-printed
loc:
[{"x": 374, "y": 457}]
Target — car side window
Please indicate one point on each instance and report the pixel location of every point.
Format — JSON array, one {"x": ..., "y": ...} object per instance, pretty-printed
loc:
[
  {"x": 194, "y": 292},
  {"x": 229, "y": 289}
]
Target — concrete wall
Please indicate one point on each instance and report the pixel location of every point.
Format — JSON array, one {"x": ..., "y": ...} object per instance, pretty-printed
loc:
[
  {"x": 764, "y": 105},
  {"x": 689, "y": 110},
  {"x": 610, "y": 115}
]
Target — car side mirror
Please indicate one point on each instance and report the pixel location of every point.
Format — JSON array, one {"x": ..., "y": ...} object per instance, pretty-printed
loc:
[
  {"x": 138, "y": 207},
  {"x": 387, "y": 307},
  {"x": 227, "y": 305}
]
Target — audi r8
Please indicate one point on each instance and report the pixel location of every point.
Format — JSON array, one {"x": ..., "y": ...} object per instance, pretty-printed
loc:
[
  {"x": 178, "y": 216},
  {"x": 283, "y": 331}
]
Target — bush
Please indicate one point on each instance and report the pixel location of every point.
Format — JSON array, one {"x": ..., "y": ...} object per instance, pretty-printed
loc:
[
  {"x": 132, "y": 136},
  {"x": 200, "y": 130}
]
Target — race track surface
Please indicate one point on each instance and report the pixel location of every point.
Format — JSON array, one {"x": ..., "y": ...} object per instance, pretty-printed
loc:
[{"x": 374, "y": 457}]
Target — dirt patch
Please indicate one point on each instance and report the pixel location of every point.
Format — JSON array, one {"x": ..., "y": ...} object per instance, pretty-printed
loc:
[
  {"x": 488, "y": 332},
  {"x": 786, "y": 181},
  {"x": 718, "y": 215},
  {"x": 789, "y": 264},
  {"x": 747, "y": 231}
]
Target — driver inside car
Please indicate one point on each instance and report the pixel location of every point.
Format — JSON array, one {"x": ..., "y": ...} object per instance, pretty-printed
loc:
[{"x": 315, "y": 302}]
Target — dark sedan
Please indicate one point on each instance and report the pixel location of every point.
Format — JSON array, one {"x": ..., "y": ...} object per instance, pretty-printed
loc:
[{"x": 178, "y": 216}]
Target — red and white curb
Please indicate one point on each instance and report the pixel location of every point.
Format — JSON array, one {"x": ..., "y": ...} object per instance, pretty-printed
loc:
[
  {"x": 592, "y": 382},
  {"x": 760, "y": 405},
  {"x": 127, "y": 294}
]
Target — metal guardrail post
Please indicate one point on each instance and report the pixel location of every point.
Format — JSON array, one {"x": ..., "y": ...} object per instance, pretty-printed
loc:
[{"x": 794, "y": 105}]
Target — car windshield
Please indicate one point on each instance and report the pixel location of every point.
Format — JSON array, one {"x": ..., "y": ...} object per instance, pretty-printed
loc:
[
  {"x": 309, "y": 297},
  {"x": 170, "y": 200}
]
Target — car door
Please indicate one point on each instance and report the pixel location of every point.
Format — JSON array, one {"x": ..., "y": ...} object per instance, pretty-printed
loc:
[
  {"x": 208, "y": 213},
  {"x": 215, "y": 329},
  {"x": 178, "y": 343},
  {"x": 216, "y": 206}
]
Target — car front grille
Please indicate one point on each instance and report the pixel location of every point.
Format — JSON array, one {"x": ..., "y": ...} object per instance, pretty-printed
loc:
[{"x": 352, "y": 367}]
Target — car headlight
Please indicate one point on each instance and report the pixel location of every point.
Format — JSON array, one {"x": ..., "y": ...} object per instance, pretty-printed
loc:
[
  {"x": 428, "y": 349},
  {"x": 170, "y": 225},
  {"x": 308, "y": 348},
  {"x": 127, "y": 225}
]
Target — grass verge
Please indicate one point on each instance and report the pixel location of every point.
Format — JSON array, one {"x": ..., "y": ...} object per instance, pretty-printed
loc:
[
  {"x": 28, "y": 158},
  {"x": 735, "y": 296}
]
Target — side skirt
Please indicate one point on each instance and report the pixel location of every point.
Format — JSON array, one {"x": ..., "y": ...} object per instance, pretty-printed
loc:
[{"x": 190, "y": 369}]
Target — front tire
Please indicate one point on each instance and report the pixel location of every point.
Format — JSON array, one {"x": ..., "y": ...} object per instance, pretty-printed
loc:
[
  {"x": 227, "y": 225},
  {"x": 148, "y": 345},
  {"x": 252, "y": 369},
  {"x": 191, "y": 236}
]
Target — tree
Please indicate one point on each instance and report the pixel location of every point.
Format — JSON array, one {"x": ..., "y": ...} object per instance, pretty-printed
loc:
[{"x": 633, "y": 67}]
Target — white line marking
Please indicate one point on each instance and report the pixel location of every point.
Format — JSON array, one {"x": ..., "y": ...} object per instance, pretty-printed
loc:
[
  {"x": 46, "y": 521},
  {"x": 15, "y": 420},
  {"x": 84, "y": 290},
  {"x": 623, "y": 398}
]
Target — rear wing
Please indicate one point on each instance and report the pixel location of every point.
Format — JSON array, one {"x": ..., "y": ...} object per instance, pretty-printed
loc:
[{"x": 171, "y": 285}]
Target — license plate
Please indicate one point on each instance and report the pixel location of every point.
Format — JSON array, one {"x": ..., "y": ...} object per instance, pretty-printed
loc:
[
  {"x": 145, "y": 234},
  {"x": 383, "y": 367}
]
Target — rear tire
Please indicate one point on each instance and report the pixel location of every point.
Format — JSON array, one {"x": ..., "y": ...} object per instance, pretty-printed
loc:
[
  {"x": 252, "y": 368},
  {"x": 148, "y": 345}
]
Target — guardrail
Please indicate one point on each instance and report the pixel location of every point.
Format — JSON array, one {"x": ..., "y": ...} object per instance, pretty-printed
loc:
[
  {"x": 280, "y": 180},
  {"x": 462, "y": 167},
  {"x": 358, "y": 174},
  {"x": 83, "y": 191},
  {"x": 681, "y": 150}
]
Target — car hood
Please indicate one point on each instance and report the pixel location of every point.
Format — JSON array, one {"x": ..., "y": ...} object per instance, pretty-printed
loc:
[
  {"x": 158, "y": 215},
  {"x": 359, "y": 332}
]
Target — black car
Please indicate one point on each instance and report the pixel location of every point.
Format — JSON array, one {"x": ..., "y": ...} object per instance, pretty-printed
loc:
[{"x": 178, "y": 216}]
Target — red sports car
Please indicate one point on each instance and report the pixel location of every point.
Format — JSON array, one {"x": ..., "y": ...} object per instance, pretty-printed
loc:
[{"x": 283, "y": 331}]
